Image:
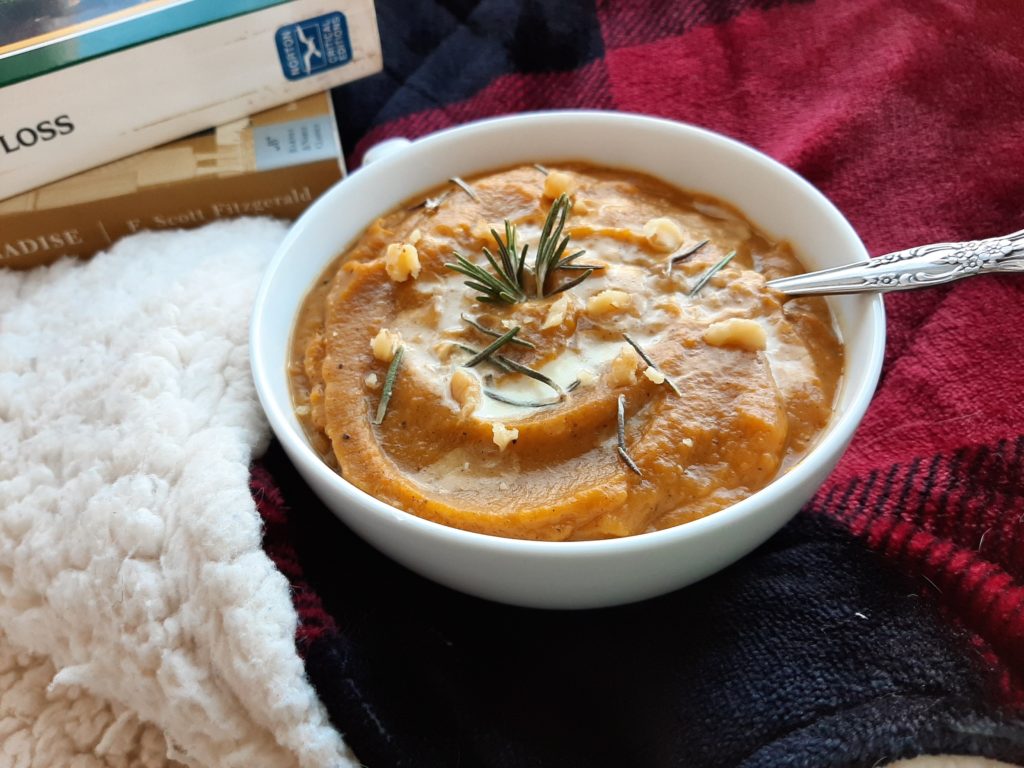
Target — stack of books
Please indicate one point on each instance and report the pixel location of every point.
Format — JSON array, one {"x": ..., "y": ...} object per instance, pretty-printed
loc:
[{"x": 92, "y": 91}]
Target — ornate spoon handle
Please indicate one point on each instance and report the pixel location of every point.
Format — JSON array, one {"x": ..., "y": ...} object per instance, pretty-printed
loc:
[{"x": 916, "y": 267}]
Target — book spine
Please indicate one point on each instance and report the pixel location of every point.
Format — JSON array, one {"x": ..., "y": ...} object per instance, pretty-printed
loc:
[
  {"x": 96, "y": 36},
  {"x": 33, "y": 238},
  {"x": 76, "y": 118}
]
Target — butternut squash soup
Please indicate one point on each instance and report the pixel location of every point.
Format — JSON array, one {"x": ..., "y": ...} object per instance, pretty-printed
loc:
[{"x": 562, "y": 353}]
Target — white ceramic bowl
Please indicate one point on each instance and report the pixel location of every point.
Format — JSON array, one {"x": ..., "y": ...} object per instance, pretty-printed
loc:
[{"x": 590, "y": 573}]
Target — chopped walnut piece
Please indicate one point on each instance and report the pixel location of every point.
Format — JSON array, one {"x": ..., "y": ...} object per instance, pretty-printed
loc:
[
  {"x": 654, "y": 375},
  {"x": 504, "y": 435},
  {"x": 663, "y": 234},
  {"x": 402, "y": 260},
  {"x": 623, "y": 370},
  {"x": 558, "y": 183},
  {"x": 385, "y": 344},
  {"x": 465, "y": 389},
  {"x": 608, "y": 302},
  {"x": 737, "y": 332},
  {"x": 556, "y": 313}
]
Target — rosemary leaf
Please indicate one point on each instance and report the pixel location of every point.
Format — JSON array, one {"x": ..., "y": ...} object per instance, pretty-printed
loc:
[
  {"x": 508, "y": 249},
  {"x": 541, "y": 168},
  {"x": 566, "y": 263},
  {"x": 529, "y": 403},
  {"x": 431, "y": 204},
  {"x": 647, "y": 359},
  {"x": 469, "y": 269},
  {"x": 389, "y": 386},
  {"x": 537, "y": 375},
  {"x": 673, "y": 260},
  {"x": 709, "y": 274},
  {"x": 571, "y": 283},
  {"x": 492, "y": 295},
  {"x": 623, "y": 453},
  {"x": 521, "y": 267},
  {"x": 549, "y": 249},
  {"x": 493, "y": 347},
  {"x": 485, "y": 330},
  {"x": 629, "y": 462},
  {"x": 485, "y": 288},
  {"x": 495, "y": 360},
  {"x": 493, "y": 288},
  {"x": 521, "y": 403},
  {"x": 499, "y": 272},
  {"x": 502, "y": 276},
  {"x": 464, "y": 187}
]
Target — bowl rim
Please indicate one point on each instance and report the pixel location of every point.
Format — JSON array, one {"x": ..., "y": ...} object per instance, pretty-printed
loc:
[{"x": 832, "y": 442}]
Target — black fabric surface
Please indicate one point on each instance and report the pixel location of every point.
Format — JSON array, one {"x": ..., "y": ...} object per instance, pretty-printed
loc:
[
  {"x": 810, "y": 652},
  {"x": 436, "y": 53}
]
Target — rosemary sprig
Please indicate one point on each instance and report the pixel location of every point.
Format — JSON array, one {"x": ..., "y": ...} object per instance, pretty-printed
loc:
[
  {"x": 647, "y": 359},
  {"x": 623, "y": 453},
  {"x": 673, "y": 260},
  {"x": 495, "y": 360},
  {"x": 389, "y": 386},
  {"x": 513, "y": 261},
  {"x": 485, "y": 330},
  {"x": 431, "y": 204},
  {"x": 493, "y": 347},
  {"x": 494, "y": 288},
  {"x": 709, "y": 274},
  {"x": 464, "y": 187},
  {"x": 510, "y": 366},
  {"x": 536, "y": 375},
  {"x": 520, "y": 403},
  {"x": 551, "y": 247},
  {"x": 528, "y": 403},
  {"x": 505, "y": 283}
]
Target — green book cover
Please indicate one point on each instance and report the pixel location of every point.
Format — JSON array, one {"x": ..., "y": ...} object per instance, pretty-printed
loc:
[{"x": 40, "y": 36}]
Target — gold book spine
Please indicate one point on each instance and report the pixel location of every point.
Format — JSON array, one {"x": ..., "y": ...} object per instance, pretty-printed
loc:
[{"x": 31, "y": 238}]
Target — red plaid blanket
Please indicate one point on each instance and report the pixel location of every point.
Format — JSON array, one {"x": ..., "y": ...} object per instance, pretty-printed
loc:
[{"x": 888, "y": 619}]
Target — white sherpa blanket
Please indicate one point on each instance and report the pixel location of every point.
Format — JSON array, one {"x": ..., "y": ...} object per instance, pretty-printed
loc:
[{"x": 140, "y": 621}]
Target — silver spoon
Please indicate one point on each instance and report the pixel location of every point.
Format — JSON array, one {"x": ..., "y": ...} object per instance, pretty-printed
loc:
[{"x": 916, "y": 267}]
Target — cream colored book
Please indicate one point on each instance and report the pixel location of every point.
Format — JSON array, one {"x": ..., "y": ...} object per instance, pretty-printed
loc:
[
  {"x": 274, "y": 163},
  {"x": 81, "y": 92}
]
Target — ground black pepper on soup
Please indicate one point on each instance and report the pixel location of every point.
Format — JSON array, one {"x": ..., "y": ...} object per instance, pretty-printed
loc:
[{"x": 564, "y": 352}]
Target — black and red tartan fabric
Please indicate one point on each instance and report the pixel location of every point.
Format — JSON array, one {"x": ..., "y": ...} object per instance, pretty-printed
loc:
[{"x": 887, "y": 620}]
